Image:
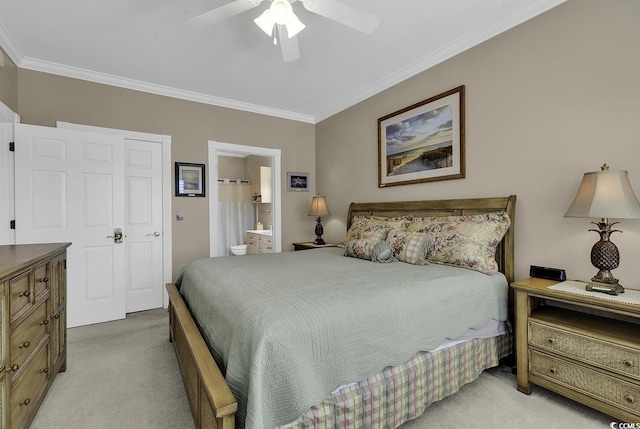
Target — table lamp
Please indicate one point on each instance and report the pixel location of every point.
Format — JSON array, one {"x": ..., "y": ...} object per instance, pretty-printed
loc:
[
  {"x": 318, "y": 209},
  {"x": 605, "y": 194}
]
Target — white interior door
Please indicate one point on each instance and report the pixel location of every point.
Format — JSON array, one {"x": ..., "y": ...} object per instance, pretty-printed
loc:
[
  {"x": 143, "y": 221},
  {"x": 148, "y": 176},
  {"x": 69, "y": 187}
]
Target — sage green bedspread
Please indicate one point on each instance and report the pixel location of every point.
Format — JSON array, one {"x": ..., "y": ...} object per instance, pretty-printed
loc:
[{"x": 289, "y": 328}]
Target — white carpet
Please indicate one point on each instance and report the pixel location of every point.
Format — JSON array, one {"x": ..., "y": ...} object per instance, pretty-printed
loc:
[
  {"x": 492, "y": 401},
  {"x": 124, "y": 375}
]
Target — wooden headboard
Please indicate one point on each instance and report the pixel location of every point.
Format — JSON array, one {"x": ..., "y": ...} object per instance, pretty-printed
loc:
[{"x": 470, "y": 206}]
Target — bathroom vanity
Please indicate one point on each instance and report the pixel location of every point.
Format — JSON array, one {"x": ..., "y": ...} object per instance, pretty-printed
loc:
[{"x": 259, "y": 241}]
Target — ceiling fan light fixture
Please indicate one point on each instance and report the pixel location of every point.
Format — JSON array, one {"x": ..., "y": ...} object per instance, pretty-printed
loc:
[
  {"x": 281, "y": 13},
  {"x": 294, "y": 26},
  {"x": 266, "y": 22}
]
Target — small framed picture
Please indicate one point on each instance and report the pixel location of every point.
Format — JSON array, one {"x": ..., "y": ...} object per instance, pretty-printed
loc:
[
  {"x": 189, "y": 180},
  {"x": 297, "y": 181}
]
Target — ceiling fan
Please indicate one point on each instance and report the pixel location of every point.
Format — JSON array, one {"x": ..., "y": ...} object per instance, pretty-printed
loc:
[{"x": 280, "y": 16}]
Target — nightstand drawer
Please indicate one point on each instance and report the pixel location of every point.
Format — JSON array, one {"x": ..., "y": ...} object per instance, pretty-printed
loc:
[
  {"x": 605, "y": 355},
  {"x": 587, "y": 381}
]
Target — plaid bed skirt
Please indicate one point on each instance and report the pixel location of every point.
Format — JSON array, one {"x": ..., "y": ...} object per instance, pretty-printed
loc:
[{"x": 399, "y": 394}]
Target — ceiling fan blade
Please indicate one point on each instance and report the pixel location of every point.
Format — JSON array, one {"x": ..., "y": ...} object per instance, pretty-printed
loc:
[
  {"x": 343, "y": 14},
  {"x": 223, "y": 12},
  {"x": 288, "y": 45}
]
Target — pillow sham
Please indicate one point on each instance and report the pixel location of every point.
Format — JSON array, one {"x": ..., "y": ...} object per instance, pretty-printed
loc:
[
  {"x": 372, "y": 227},
  {"x": 468, "y": 241},
  {"x": 410, "y": 247}
]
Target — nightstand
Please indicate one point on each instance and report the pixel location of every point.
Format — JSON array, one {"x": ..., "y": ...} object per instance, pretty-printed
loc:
[
  {"x": 305, "y": 245},
  {"x": 586, "y": 348}
]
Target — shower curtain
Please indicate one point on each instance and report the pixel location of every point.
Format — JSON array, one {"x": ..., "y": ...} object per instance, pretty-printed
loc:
[{"x": 235, "y": 213}]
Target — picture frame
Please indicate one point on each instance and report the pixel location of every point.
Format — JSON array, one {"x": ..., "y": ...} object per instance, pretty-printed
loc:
[
  {"x": 424, "y": 142},
  {"x": 297, "y": 181},
  {"x": 189, "y": 179}
]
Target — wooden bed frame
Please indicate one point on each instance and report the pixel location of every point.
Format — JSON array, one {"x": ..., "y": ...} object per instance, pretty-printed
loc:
[{"x": 211, "y": 401}]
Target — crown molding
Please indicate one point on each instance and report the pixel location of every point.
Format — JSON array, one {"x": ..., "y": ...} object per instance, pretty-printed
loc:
[
  {"x": 9, "y": 46},
  {"x": 13, "y": 51},
  {"x": 525, "y": 13},
  {"x": 107, "y": 79},
  {"x": 530, "y": 10}
]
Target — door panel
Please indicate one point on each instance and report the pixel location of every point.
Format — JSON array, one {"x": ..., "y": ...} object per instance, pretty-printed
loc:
[
  {"x": 143, "y": 222},
  {"x": 69, "y": 188},
  {"x": 49, "y": 201}
]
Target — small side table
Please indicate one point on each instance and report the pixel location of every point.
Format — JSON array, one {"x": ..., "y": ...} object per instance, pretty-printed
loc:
[
  {"x": 306, "y": 245},
  {"x": 584, "y": 347}
]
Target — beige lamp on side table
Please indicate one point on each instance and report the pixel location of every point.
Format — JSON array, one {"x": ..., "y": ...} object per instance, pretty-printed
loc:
[
  {"x": 318, "y": 209},
  {"x": 605, "y": 194}
]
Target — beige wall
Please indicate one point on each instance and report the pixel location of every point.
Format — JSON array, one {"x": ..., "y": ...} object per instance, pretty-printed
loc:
[
  {"x": 45, "y": 99},
  {"x": 545, "y": 102},
  {"x": 8, "y": 83}
]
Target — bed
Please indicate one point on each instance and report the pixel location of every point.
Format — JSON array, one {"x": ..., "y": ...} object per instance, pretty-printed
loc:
[{"x": 303, "y": 364}]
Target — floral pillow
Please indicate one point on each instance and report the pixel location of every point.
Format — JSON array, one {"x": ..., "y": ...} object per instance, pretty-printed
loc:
[
  {"x": 372, "y": 227},
  {"x": 410, "y": 247},
  {"x": 371, "y": 250},
  {"x": 465, "y": 241}
]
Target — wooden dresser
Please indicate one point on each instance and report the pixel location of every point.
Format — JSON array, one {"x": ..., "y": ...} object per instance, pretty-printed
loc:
[
  {"x": 32, "y": 327},
  {"x": 586, "y": 348}
]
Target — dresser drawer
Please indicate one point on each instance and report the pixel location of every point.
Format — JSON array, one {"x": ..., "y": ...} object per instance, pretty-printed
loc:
[
  {"x": 20, "y": 292},
  {"x": 26, "y": 336},
  {"x": 601, "y": 354},
  {"x": 27, "y": 391},
  {"x": 593, "y": 383},
  {"x": 41, "y": 279}
]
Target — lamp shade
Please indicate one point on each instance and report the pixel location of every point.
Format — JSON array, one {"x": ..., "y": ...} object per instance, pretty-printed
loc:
[
  {"x": 605, "y": 194},
  {"x": 319, "y": 207}
]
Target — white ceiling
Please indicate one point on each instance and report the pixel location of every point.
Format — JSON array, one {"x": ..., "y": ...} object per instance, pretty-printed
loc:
[{"x": 148, "y": 45}]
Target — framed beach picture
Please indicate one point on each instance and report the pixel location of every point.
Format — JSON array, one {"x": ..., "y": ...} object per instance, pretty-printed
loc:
[
  {"x": 297, "y": 181},
  {"x": 423, "y": 142},
  {"x": 189, "y": 180}
]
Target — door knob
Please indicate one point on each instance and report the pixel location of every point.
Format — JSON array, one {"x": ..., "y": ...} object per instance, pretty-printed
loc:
[
  {"x": 155, "y": 234},
  {"x": 117, "y": 235}
]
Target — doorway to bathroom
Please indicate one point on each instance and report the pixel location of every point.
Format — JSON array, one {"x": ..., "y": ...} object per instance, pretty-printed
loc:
[{"x": 266, "y": 214}]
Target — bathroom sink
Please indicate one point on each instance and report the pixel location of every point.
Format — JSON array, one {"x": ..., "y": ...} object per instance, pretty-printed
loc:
[{"x": 261, "y": 231}]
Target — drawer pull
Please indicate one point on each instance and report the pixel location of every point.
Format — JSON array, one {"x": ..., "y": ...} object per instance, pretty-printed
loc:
[
  {"x": 45, "y": 322},
  {"x": 13, "y": 368},
  {"x": 45, "y": 370},
  {"x": 25, "y": 293},
  {"x": 553, "y": 370},
  {"x": 552, "y": 340},
  {"x": 24, "y": 345},
  {"x": 26, "y": 401},
  {"x": 44, "y": 280},
  {"x": 56, "y": 316},
  {"x": 630, "y": 399},
  {"x": 628, "y": 363}
]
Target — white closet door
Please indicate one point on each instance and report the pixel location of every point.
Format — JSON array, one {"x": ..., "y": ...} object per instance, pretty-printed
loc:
[
  {"x": 69, "y": 187},
  {"x": 143, "y": 219}
]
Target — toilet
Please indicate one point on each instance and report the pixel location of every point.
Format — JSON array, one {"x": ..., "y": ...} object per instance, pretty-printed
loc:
[{"x": 239, "y": 250}]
